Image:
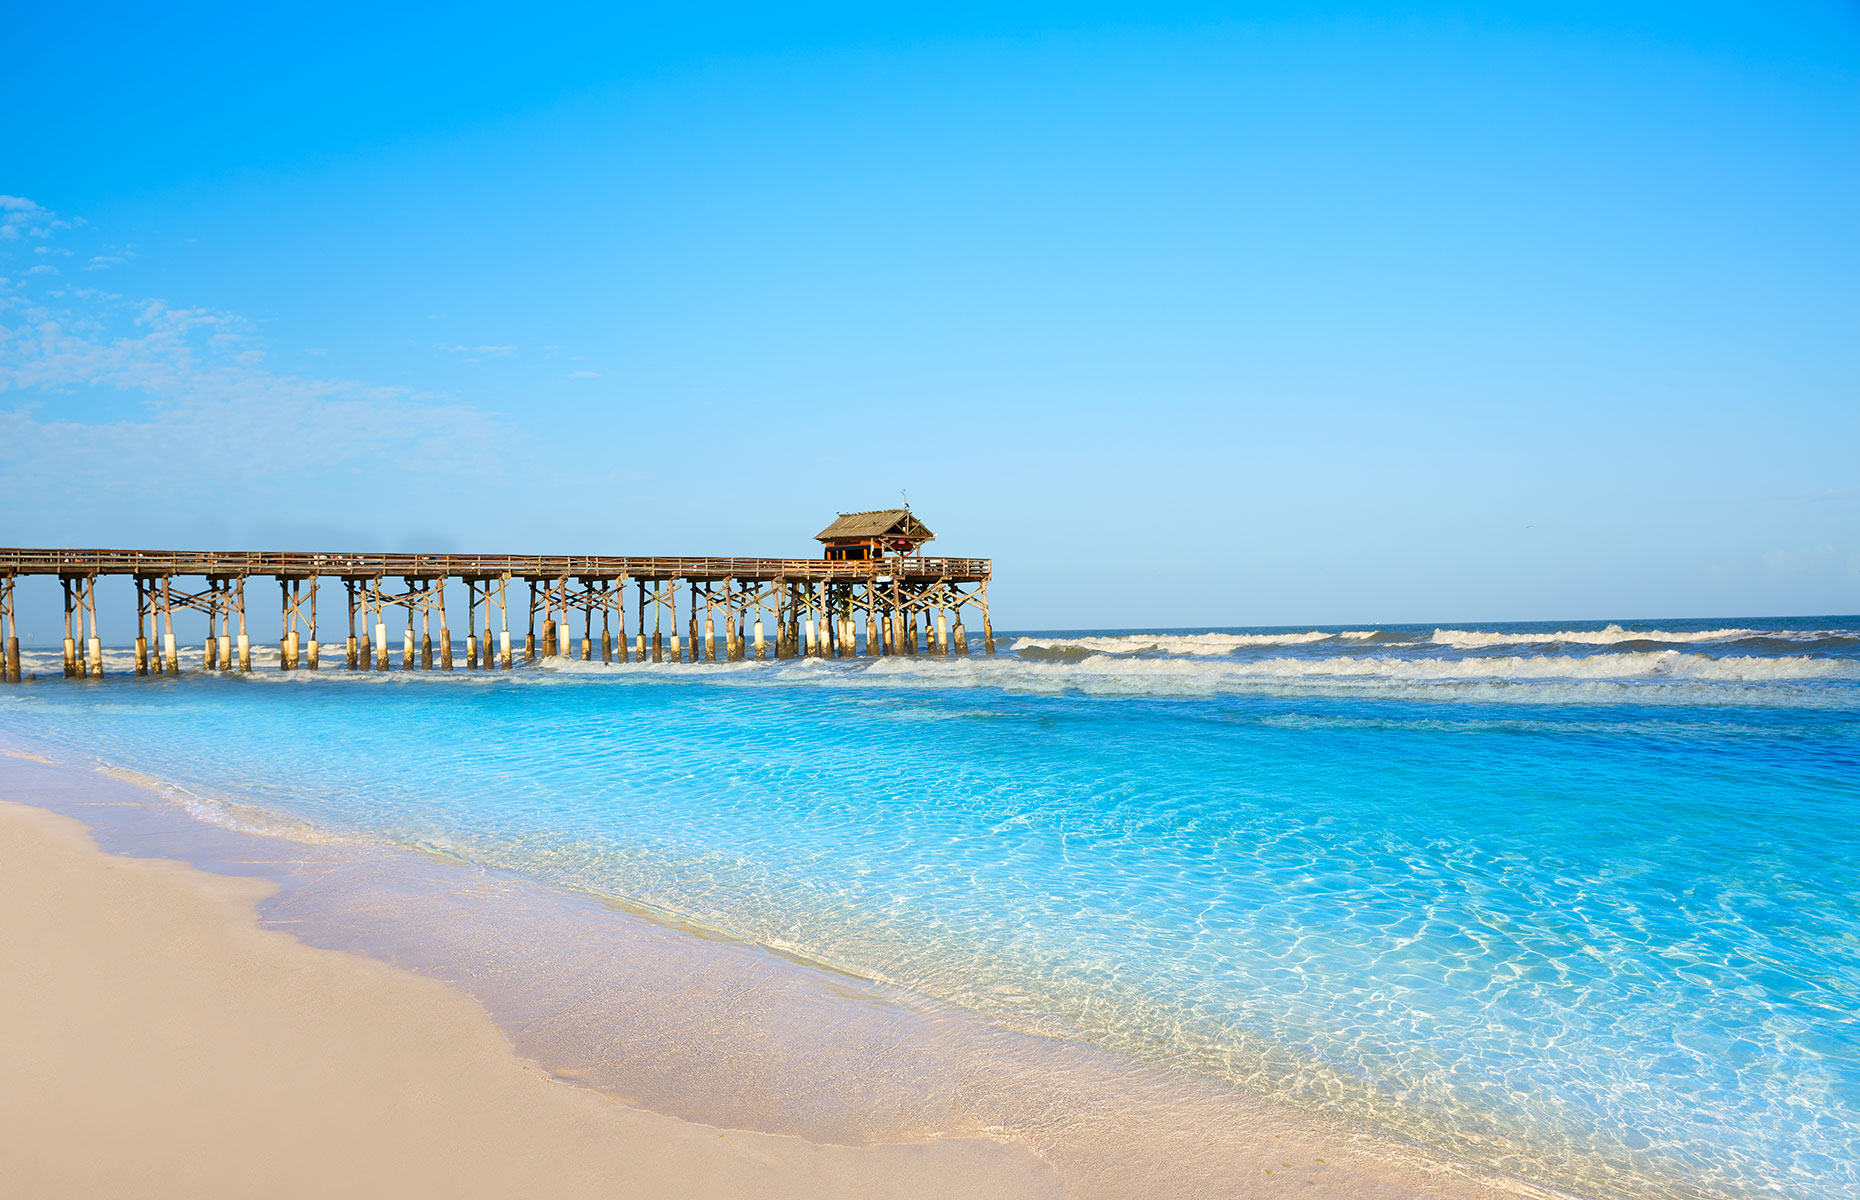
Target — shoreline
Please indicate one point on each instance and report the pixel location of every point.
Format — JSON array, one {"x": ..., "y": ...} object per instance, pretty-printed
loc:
[
  {"x": 151, "y": 1014},
  {"x": 1264, "y": 1149}
]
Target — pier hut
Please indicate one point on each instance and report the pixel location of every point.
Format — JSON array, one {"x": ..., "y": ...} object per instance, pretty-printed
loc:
[{"x": 862, "y": 536}]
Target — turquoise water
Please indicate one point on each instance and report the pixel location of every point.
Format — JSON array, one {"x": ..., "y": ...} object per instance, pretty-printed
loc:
[{"x": 1575, "y": 900}]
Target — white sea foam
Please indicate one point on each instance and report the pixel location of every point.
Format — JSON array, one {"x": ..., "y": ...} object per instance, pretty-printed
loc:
[
  {"x": 1611, "y": 635},
  {"x": 1641, "y": 664},
  {"x": 1195, "y": 644},
  {"x": 1212, "y": 644},
  {"x": 1414, "y": 670}
]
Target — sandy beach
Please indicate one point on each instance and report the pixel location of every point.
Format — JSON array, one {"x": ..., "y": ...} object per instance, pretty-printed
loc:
[{"x": 156, "y": 1042}]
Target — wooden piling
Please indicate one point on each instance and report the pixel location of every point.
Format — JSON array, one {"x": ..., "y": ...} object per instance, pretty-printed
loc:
[
  {"x": 142, "y": 641},
  {"x": 245, "y": 642},
  {"x": 148, "y": 628},
  {"x": 620, "y": 638},
  {"x": 471, "y": 625},
  {"x": 503, "y": 620},
  {"x": 529, "y": 641},
  {"x": 381, "y": 642},
  {"x": 71, "y": 668},
  {"x": 352, "y": 658},
  {"x": 9, "y": 631},
  {"x": 85, "y": 649},
  {"x": 284, "y": 624},
  {"x": 670, "y": 591},
  {"x": 313, "y": 642},
  {"x": 445, "y": 631}
]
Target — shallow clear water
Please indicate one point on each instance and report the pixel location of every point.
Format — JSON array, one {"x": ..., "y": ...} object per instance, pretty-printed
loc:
[{"x": 1578, "y": 901}]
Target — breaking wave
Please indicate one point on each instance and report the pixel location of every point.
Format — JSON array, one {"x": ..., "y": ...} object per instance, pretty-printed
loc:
[
  {"x": 1187, "y": 644},
  {"x": 1762, "y": 667},
  {"x": 1612, "y": 635},
  {"x": 1629, "y": 665}
]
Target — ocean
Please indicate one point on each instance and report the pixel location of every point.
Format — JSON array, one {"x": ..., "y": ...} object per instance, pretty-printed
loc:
[{"x": 1578, "y": 903}]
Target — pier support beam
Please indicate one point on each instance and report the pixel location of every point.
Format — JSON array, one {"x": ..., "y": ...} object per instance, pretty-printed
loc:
[
  {"x": 142, "y": 625},
  {"x": 445, "y": 631},
  {"x": 170, "y": 652},
  {"x": 71, "y": 658},
  {"x": 529, "y": 641},
  {"x": 353, "y": 660},
  {"x": 313, "y": 642},
  {"x": 471, "y": 624},
  {"x": 83, "y": 653},
  {"x": 245, "y": 643},
  {"x": 379, "y": 623},
  {"x": 500, "y": 594},
  {"x": 491, "y": 591},
  {"x": 9, "y": 632}
]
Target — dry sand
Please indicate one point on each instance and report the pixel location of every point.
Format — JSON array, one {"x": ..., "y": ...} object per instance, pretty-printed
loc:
[{"x": 156, "y": 1042}]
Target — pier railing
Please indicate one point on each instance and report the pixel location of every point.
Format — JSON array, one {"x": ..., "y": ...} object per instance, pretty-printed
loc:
[{"x": 238, "y": 563}]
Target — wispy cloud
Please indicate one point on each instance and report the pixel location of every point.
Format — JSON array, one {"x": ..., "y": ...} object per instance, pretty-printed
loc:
[
  {"x": 584, "y": 374},
  {"x": 99, "y": 261},
  {"x": 21, "y": 218},
  {"x": 201, "y": 393}
]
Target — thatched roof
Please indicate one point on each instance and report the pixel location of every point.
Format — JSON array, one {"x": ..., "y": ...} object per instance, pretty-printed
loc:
[{"x": 879, "y": 523}]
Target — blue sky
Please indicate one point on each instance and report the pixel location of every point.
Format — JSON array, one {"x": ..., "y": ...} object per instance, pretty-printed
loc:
[{"x": 1185, "y": 315}]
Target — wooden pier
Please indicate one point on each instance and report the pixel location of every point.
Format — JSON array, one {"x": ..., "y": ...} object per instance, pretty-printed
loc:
[{"x": 735, "y": 608}]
